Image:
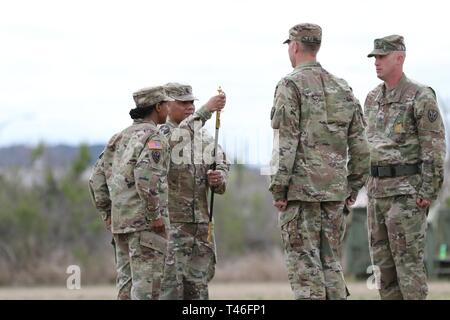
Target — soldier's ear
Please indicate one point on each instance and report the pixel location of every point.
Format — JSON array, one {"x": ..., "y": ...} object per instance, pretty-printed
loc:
[{"x": 400, "y": 58}]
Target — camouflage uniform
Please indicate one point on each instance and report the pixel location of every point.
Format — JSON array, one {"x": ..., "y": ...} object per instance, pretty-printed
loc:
[
  {"x": 407, "y": 151},
  {"x": 129, "y": 184},
  {"x": 191, "y": 258},
  {"x": 321, "y": 127}
]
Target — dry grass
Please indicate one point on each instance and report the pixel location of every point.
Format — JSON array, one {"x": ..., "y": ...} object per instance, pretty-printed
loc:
[
  {"x": 256, "y": 276},
  {"x": 218, "y": 291},
  {"x": 253, "y": 267},
  {"x": 52, "y": 269}
]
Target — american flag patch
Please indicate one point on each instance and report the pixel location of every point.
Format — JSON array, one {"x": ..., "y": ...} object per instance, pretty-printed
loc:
[{"x": 154, "y": 145}]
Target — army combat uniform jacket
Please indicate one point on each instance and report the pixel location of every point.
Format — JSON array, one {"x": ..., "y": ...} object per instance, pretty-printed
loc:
[
  {"x": 405, "y": 128},
  {"x": 188, "y": 182},
  {"x": 129, "y": 181},
  {"x": 323, "y": 152}
]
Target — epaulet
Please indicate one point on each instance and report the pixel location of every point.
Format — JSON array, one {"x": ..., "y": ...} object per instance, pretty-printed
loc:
[
  {"x": 113, "y": 141},
  {"x": 420, "y": 86},
  {"x": 287, "y": 80},
  {"x": 283, "y": 82},
  {"x": 434, "y": 92}
]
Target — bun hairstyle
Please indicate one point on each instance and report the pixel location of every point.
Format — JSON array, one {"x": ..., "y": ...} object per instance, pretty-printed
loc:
[{"x": 141, "y": 112}]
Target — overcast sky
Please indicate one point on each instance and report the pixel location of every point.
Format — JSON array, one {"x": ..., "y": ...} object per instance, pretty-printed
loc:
[{"x": 68, "y": 69}]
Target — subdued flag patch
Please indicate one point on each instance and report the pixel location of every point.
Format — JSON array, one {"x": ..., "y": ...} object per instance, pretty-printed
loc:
[{"x": 154, "y": 145}]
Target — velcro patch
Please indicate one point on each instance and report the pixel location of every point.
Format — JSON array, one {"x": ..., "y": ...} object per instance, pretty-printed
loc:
[
  {"x": 156, "y": 156},
  {"x": 154, "y": 145},
  {"x": 432, "y": 115}
]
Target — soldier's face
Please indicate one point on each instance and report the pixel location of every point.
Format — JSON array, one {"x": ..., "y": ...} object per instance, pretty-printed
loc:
[
  {"x": 162, "y": 110},
  {"x": 387, "y": 65},
  {"x": 292, "y": 49},
  {"x": 180, "y": 110}
]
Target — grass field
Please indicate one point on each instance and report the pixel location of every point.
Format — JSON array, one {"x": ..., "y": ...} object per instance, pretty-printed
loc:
[{"x": 218, "y": 291}]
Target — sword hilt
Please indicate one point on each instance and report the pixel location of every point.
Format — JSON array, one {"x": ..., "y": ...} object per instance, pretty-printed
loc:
[{"x": 220, "y": 91}]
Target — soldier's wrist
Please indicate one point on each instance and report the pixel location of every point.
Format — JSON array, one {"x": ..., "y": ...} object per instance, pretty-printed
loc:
[
  {"x": 353, "y": 195},
  {"x": 151, "y": 217},
  {"x": 203, "y": 113},
  {"x": 426, "y": 196},
  {"x": 105, "y": 215}
]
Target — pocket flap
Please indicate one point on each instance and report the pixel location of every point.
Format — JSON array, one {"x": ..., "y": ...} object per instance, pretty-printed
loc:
[
  {"x": 154, "y": 241},
  {"x": 290, "y": 214}
]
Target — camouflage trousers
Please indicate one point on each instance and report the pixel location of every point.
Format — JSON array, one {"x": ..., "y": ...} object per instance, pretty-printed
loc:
[
  {"x": 312, "y": 234},
  {"x": 397, "y": 228},
  {"x": 190, "y": 263},
  {"x": 140, "y": 265}
]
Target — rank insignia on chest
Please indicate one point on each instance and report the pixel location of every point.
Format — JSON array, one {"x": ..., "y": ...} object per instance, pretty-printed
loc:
[
  {"x": 156, "y": 155},
  {"x": 398, "y": 128},
  {"x": 154, "y": 145},
  {"x": 432, "y": 115}
]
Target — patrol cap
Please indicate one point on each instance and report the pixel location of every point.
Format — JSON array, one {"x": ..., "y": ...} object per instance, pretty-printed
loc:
[
  {"x": 179, "y": 91},
  {"x": 150, "y": 96},
  {"x": 306, "y": 33},
  {"x": 386, "y": 45}
]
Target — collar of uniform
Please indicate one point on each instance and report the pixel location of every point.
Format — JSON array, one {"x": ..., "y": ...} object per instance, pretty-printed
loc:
[
  {"x": 308, "y": 64},
  {"x": 171, "y": 123},
  {"x": 139, "y": 121},
  {"x": 395, "y": 95}
]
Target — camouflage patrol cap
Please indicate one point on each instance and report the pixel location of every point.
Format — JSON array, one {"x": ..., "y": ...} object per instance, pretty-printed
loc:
[
  {"x": 150, "y": 96},
  {"x": 180, "y": 92},
  {"x": 386, "y": 45},
  {"x": 306, "y": 33}
]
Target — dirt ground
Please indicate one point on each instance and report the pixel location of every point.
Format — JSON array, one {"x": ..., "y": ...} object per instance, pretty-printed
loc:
[{"x": 218, "y": 291}]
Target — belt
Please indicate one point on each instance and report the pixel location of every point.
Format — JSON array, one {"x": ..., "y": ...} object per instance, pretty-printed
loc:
[{"x": 394, "y": 171}]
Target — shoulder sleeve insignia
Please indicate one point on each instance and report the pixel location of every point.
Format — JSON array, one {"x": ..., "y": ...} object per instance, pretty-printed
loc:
[
  {"x": 432, "y": 115},
  {"x": 156, "y": 155}
]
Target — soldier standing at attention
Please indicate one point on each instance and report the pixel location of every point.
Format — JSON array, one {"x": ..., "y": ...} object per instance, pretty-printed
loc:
[
  {"x": 323, "y": 161},
  {"x": 191, "y": 257},
  {"x": 129, "y": 188},
  {"x": 407, "y": 150}
]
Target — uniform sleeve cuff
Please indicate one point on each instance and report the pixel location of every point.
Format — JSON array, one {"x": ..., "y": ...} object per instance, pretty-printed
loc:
[
  {"x": 354, "y": 195},
  {"x": 105, "y": 215},
  {"x": 424, "y": 195},
  {"x": 153, "y": 216},
  {"x": 279, "y": 195},
  {"x": 203, "y": 113}
]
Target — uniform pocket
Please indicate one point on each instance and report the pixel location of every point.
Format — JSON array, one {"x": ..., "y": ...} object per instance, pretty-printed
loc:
[
  {"x": 401, "y": 122},
  {"x": 292, "y": 212},
  {"x": 338, "y": 129},
  {"x": 290, "y": 233},
  {"x": 277, "y": 116},
  {"x": 153, "y": 241}
]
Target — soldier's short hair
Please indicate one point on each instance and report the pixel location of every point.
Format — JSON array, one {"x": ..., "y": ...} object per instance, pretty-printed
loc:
[{"x": 311, "y": 48}]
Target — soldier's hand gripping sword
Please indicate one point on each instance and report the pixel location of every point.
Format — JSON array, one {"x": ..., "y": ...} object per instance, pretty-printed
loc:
[{"x": 216, "y": 140}]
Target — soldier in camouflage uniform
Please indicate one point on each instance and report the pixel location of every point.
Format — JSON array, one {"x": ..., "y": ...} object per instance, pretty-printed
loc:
[
  {"x": 191, "y": 258},
  {"x": 129, "y": 188},
  {"x": 407, "y": 151},
  {"x": 321, "y": 128}
]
